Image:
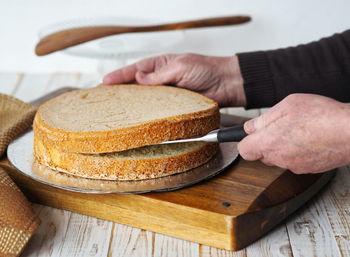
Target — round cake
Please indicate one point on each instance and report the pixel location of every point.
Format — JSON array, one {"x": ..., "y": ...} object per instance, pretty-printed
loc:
[{"x": 108, "y": 132}]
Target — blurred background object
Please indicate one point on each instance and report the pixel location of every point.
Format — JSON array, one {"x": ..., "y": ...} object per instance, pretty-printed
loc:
[
  {"x": 274, "y": 24},
  {"x": 77, "y": 34}
]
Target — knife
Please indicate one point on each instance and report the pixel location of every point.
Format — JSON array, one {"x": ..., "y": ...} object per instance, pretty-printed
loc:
[{"x": 230, "y": 134}]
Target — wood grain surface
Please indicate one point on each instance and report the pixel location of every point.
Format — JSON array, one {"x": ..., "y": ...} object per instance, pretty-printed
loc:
[{"x": 293, "y": 238}]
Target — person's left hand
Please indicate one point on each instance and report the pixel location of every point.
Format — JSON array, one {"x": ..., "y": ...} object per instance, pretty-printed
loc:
[
  {"x": 218, "y": 78},
  {"x": 303, "y": 133}
]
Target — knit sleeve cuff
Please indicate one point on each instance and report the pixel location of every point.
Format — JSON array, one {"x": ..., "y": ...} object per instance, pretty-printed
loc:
[{"x": 258, "y": 83}]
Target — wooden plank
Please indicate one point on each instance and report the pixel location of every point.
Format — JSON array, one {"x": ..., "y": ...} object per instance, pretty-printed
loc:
[
  {"x": 32, "y": 86},
  {"x": 63, "y": 233},
  {"x": 274, "y": 244},
  {"x": 336, "y": 201},
  {"x": 128, "y": 241},
  {"x": 59, "y": 80},
  {"x": 310, "y": 232},
  {"x": 8, "y": 82},
  {"x": 85, "y": 236},
  {"x": 50, "y": 235},
  {"x": 207, "y": 251},
  {"x": 88, "y": 80},
  {"x": 165, "y": 246}
]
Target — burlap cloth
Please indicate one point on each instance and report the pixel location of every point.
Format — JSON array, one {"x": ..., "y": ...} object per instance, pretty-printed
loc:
[{"x": 17, "y": 219}]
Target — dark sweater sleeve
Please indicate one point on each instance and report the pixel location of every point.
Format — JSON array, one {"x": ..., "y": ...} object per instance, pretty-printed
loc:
[{"x": 321, "y": 67}]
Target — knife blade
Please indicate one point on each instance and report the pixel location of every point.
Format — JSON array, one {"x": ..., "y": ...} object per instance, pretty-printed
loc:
[{"x": 230, "y": 134}]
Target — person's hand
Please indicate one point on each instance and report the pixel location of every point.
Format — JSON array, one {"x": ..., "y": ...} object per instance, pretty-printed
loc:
[
  {"x": 303, "y": 133},
  {"x": 216, "y": 77}
]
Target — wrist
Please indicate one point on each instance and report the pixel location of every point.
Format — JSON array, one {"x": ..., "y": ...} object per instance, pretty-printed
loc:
[
  {"x": 234, "y": 83},
  {"x": 238, "y": 82}
]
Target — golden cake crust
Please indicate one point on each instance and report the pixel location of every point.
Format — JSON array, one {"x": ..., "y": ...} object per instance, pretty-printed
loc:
[
  {"x": 103, "y": 166},
  {"x": 146, "y": 133}
]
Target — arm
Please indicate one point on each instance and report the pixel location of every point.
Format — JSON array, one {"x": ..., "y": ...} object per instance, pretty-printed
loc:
[
  {"x": 321, "y": 67},
  {"x": 304, "y": 132}
]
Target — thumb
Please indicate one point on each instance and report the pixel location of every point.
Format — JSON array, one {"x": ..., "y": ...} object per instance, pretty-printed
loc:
[
  {"x": 250, "y": 148},
  {"x": 249, "y": 126},
  {"x": 120, "y": 76},
  {"x": 264, "y": 120},
  {"x": 256, "y": 124}
]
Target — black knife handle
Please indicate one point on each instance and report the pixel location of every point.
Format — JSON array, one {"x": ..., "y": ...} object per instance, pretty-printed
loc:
[{"x": 232, "y": 134}]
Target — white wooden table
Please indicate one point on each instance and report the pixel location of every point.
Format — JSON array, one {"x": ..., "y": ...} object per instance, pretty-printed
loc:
[{"x": 321, "y": 228}]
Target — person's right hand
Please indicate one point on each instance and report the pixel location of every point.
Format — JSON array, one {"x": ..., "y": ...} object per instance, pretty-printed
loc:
[
  {"x": 303, "y": 133},
  {"x": 218, "y": 78}
]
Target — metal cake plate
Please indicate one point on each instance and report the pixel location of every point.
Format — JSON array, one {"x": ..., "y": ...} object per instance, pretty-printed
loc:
[{"x": 20, "y": 154}]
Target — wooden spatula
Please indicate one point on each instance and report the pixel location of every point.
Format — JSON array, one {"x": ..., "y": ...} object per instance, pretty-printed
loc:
[{"x": 74, "y": 36}]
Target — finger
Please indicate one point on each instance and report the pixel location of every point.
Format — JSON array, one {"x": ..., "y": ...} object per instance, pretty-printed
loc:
[
  {"x": 266, "y": 162},
  {"x": 260, "y": 122},
  {"x": 164, "y": 75},
  {"x": 249, "y": 148},
  {"x": 265, "y": 119},
  {"x": 249, "y": 126},
  {"x": 151, "y": 64},
  {"x": 123, "y": 75},
  {"x": 128, "y": 73}
]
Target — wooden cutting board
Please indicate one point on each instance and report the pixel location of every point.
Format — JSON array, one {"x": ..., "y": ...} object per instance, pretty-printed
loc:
[{"x": 229, "y": 211}]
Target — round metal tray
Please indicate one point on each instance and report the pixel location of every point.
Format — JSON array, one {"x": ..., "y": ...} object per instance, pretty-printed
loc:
[{"x": 20, "y": 154}]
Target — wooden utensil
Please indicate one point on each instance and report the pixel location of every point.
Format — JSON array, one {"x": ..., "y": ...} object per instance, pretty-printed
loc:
[{"x": 74, "y": 36}]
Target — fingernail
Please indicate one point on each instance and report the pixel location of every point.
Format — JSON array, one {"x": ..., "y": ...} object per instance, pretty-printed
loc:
[{"x": 249, "y": 126}]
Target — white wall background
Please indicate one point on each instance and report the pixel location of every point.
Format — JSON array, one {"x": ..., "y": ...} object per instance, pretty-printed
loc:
[{"x": 275, "y": 24}]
